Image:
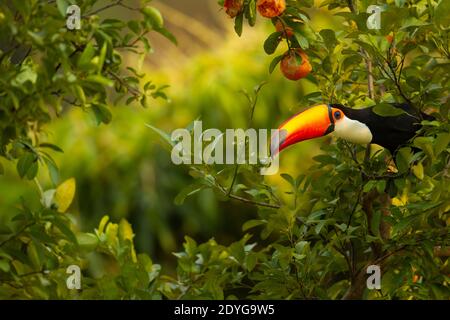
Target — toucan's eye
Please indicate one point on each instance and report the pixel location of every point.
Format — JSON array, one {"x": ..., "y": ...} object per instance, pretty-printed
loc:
[{"x": 337, "y": 115}]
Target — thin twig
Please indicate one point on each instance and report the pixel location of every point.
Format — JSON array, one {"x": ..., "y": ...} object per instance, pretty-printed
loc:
[
  {"x": 351, "y": 6},
  {"x": 285, "y": 33},
  {"x": 128, "y": 7},
  {"x": 77, "y": 49},
  {"x": 230, "y": 188},
  {"x": 242, "y": 199},
  {"x": 257, "y": 203},
  {"x": 118, "y": 2},
  {"x": 41, "y": 191},
  {"x": 132, "y": 90},
  {"x": 18, "y": 233},
  {"x": 387, "y": 255},
  {"x": 252, "y": 107},
  {"x": 358, "y": 198},
  {"x": 370, "y": 85}
]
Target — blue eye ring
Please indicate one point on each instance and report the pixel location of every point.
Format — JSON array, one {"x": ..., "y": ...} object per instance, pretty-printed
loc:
[{"x": 337, "y": 115}]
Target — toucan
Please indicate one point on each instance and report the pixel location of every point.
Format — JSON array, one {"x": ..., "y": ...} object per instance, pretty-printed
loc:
[{"x": 361, "y": 126}]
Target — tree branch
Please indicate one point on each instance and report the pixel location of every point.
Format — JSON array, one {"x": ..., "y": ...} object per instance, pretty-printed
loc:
[
  {"x": 132, "y": 90},
  {"x": 18, "y": 233},
  {"x": 117, "y": 3},
  {"x": 256, "y": 203}
]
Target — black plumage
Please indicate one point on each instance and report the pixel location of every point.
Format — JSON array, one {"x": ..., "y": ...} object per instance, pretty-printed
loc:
[{"x": 388, "y": 132}]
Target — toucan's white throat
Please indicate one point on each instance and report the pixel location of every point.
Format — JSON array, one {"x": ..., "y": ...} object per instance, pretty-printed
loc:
[{"x": 352, "y": 131}]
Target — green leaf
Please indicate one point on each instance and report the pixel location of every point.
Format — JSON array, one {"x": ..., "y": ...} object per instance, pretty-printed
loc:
[
  {"x": 403, "y": 159},
  {"x": 165, "y": 137},
  {"x": 64, "y": 227},
  {"x": 319, "y": 226},
  {"x": 405, "y": 223},
  {"x": 426, "y": 144},
  {"x": 37, "y": 37},
  {"x": 62, "y": 6},
  {"x": 266, "y": 232},
  {"x": 51, "y": 146},
  {"x": 325, "y": 159},
  {"x": 271, "y": 43},
  {"x": 25, "y": 163},
  {"x": 369, "y": 185},
  {"x": 167, "y": 34},
  {"x": 302, "y": 41},
  {"x": 102, "y": 113},
  {"x": 33, "y": 255},
  {"x": 26, "y": 74},
  {"x": 302, "y": 247},
  {"x": 328, "y": 37},
  {"x": 418, "y": 171},
  {"x": 84, "y": 61},
  {"x": 190, "y": 246},
  {"x": 441, "y": 143},
  {"x": 32, "y": 170},
  {"x": 153, "y": 17},
  {"x": 238, "y": 24},
  {"x": 381, "y": 186},
  {"x": 79, "y": 93},
  {"x": 134, "y": 26},
  {"x": 144, "y": 101},
  {"x": 252, "y": 223},
  {"x": 274, "y": 62},
  {"x": 351, "y": 61},
  {"x": 53, "y": 170},
  {"x": 4, "y": 265},
  {"x": 289, "y": 179},
  {"x": 387, "y": 110},
  {"x": 188, "y": 191},
  {"x": 250, "y": 13},
  {"x": 442, "y": 13},
  {"x": 101, "y": 57},
  {"x": 96, "y": 78},
  {"x": 251, "y": 261}
]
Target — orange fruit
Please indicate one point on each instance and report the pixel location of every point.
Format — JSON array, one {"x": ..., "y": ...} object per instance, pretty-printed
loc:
[
  {"x": 291, "y": 66},
  {"x": 233, "y": 7},
  {"x": 286, "y": 30},
  {"x": 271, "y": 8}
]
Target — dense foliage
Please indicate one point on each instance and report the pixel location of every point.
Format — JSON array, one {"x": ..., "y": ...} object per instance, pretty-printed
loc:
[
  {"x": 349, "y": 211},
  {"x": 313, "y": 240},
  {"x": 46, "y": 69}
]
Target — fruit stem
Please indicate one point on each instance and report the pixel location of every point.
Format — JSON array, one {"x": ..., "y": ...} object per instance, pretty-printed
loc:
[{"x": 285, "y": 32}]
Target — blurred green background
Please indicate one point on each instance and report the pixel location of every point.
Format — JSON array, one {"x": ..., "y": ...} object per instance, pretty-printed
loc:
[{"x": 121, "y": 169}]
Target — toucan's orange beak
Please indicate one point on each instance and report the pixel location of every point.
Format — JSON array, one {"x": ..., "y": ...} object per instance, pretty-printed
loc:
[{"x": 311, "y": 123}]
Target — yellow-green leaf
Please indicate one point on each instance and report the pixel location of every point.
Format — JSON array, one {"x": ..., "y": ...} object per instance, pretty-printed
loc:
[
  {"x": 418, "y": 170},
  {"x": 125, "y": 230},
  {"x": 387, "y": 110},
  {"x": 126, "y": 233},
  {"x": 87, "y": 241},
  {"x": 111, "y": 234},
  {"x": 153, "y": 16},
  {"x": 64, "y": 194},
  {"x": 102, "y": 224},
  {"x": 33, "y": 255}
]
